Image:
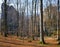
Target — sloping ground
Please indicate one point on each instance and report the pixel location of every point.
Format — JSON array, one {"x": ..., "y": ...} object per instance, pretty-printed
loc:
[
  {"x": 16, "y": 42},
  {"x": 2, "y": 44},
  {"x": 51, "y": 40}
]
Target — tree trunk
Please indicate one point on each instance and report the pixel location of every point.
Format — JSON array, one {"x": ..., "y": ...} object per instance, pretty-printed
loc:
[
  {"x": 17, "y": 20},
  {"x": 41, "y": 23},
  {"x": 5, "y": 12},
  {"x": 58, "y": 32},
  {"x": 32, "y": 21}
]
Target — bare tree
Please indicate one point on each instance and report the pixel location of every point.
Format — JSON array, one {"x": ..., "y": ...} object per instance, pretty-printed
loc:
[
  {"x": 32, "y": 20},
  {"x": 35, "y": 18},
  {"x": 27, "y": 20},
  {"x": 17, "y": 20},
  {"x": 20, "y": 19},
  {"x": 41, "y": 23},
  {"x": 5, "y": 13},
  {"x": 58, "y": 7}
]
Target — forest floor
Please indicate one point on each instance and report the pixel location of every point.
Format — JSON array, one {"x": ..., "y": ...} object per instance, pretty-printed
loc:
[{"x": 17, "y": 42}]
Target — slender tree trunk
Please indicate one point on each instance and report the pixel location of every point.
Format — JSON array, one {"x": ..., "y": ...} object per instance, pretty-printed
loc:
[
  {"x": 5, "y": 12},
  {"x": 20, "y": 20},
  {"x": 58, "y": 32},
  {"x": 17, "y": 20},
  {"x": 32, "y": 21},
  {"x": 35, "y": 19},
  {"x": 27, "y": 21},
  {"x": 41, "y": 23}
]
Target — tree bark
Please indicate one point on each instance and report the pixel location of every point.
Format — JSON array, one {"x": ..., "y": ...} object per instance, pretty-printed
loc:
[
  {"x": 5, "y": 12},
  {"x": 41, "y": 23},
  {"x": 58, "y": 32}
]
